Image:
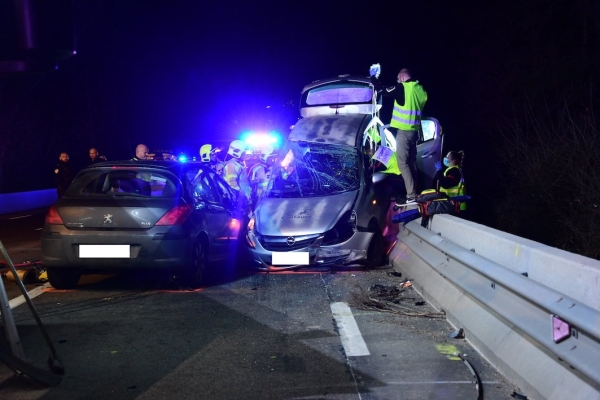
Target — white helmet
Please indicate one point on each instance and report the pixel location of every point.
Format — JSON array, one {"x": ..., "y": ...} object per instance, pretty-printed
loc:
[
  {"x": 266, "y": 153},
  {"x": 237, "y": 148}
]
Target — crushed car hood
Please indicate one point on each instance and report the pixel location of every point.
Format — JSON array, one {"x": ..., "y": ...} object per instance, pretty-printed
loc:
[{"x": 301, "y": 216}]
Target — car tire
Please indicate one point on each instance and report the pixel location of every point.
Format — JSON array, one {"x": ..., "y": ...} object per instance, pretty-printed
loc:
[
  {"x": 63, "y": 278},
  {"x": 196, "y": 274},
  {"x": 375, "y": 251}
]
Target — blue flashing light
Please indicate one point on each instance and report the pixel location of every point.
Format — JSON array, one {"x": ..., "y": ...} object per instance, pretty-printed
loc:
[
  {"x": 261, "y": 139},
  {"x": 182, "y": 158}
]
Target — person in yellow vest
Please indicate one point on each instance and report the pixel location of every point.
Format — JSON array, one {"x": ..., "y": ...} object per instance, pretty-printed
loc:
[
  {"x": 451, "y": 180},
  {"x": 393, "y": 186},
  {"x": 234, "y": 171},
  {"x": 409, "y": 101}
]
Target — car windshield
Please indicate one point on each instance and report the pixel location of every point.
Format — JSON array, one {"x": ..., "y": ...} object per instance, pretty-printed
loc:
[
  {"x": 307, "y": 169},
  {"x": 123, "y": 182}
]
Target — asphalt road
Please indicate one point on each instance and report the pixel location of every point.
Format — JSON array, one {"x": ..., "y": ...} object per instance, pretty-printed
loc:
[{"x": 243, "y": 336}]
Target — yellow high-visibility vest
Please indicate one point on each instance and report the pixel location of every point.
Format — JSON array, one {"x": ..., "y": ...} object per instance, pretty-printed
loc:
[
  {"x": 458, "y": 190},
  {"x": 408, "y": 116}
]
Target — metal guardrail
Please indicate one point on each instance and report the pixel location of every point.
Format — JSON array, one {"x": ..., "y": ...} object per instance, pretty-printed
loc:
[{"x": 535, "y": 312}]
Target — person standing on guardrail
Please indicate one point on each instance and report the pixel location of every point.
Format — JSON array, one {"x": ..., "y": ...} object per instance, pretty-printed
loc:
[
  {"x": 409, "y": 101},
  {"x": 451, "y": 180},
  {"x": 63, "y": 174}
]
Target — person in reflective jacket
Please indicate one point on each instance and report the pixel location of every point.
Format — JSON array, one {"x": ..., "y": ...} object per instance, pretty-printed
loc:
[
  {"x": 208, "y": 154},
  {"x": 260, "y": 173},
  {"x": 234, "y": 171},
  {"x": 409, "y": 101},
  {"x": 451, "y": 180}
]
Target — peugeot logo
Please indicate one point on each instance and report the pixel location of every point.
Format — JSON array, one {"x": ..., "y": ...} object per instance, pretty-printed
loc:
[
  {"x": 108, "y": 218},
  {"x": 290, "y": 240}
]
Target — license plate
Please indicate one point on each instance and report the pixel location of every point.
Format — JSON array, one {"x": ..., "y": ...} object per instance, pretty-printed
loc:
[
  {"x": 104, "y": 251},
  {"x": 290, "y": 258}
]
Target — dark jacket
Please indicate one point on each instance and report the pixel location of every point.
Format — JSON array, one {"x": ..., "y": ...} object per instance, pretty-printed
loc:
[
  {"x": 63, "y": 176},
  {"x": 396, "y": 91}
]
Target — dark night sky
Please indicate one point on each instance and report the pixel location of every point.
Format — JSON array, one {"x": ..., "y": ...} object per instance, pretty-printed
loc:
[{"x": 179, "y": 75}]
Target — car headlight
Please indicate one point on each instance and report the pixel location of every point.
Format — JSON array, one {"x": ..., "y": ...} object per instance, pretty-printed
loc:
[{"x": 343, "y": 230}]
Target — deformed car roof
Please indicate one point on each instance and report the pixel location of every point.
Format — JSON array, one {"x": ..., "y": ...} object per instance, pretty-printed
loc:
[{"x": 334, "y": 129}]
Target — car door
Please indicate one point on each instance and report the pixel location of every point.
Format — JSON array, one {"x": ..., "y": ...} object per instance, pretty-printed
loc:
[
  {"x": 429, "y": 151},
  {"x": 210, "y": 209},
  {"x": 234, "y": 207}
]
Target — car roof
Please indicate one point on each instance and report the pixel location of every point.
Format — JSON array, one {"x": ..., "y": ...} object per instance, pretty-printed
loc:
[
  {"x": 339, "y": 78},
  {"x": 341, "y": 129},
  {"x": 165, "y": 165}
]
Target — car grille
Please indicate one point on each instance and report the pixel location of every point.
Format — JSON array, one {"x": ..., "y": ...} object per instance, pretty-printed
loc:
[{"x": 280, "y": 243}]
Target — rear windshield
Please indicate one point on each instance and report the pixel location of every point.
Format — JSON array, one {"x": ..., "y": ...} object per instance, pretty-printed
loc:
[
  {"x": 123, "y": 182},
  {"x": 340, "y": 93}
]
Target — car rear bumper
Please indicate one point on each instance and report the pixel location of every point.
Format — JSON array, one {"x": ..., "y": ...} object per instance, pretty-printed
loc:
[
  {"x": 61, "y": 249},
  {"x": 351, "y": 252}
]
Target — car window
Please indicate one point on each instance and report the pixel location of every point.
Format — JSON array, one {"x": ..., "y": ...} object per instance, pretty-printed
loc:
[
  {"x": 428, "y": 129},
  {"x": 201, "y": 188},
  {"x": 225, "y": 191},
  {"x": 123, "y": 182},
  {"x": 340, "y": 93}
]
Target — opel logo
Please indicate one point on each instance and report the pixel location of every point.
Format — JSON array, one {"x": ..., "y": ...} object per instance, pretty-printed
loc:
[{"x": 290, "y": 240}]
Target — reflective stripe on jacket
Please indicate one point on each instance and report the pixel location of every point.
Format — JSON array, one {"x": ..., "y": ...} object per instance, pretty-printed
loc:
[
  {"x": 235, "y": 175},
  {"x": 408, "y": 116},
  {"x": 458, "y": 190}
]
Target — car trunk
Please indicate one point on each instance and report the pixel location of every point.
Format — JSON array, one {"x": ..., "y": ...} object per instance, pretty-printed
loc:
[{"x": 113, "y": 214}]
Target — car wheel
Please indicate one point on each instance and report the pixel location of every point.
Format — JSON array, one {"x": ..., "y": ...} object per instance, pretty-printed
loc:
[
  {"x": 196, "y": 274},
  {"x": 375, "y": 250},
  {"x": 63, "y": 278}
]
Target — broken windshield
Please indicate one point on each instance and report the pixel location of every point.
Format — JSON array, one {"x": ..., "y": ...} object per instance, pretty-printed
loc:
[{"x": 307, "y": 169}]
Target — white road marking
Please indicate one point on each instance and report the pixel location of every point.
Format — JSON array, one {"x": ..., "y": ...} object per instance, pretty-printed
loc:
[
  {"x": 21, "y": 216},
  {"x": 17, "y": 301},
  {"x": 352, "y": 340}
]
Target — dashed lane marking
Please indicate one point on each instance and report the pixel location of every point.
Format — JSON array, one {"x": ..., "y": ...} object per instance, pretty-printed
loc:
[
  {"x": 352, "y": 340},
  {"x": 35, "y": 292}
]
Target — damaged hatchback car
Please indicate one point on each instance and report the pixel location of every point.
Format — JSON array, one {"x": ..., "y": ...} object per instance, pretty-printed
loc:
[{"x": 325, "y": 206}]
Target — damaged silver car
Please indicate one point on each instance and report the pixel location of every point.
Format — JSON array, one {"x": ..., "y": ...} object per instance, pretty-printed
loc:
[{"x": 324, "y": 205}]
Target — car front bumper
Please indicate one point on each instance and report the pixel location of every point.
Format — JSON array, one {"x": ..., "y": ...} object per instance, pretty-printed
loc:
[{"x": 349, "y": 253}]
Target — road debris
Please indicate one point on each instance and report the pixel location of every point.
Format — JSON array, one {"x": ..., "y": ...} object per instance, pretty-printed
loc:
[
  {"x": 388, "y": 299},
  {"x": 478, "y": 385},
  {"x": 459, "y": 334}
]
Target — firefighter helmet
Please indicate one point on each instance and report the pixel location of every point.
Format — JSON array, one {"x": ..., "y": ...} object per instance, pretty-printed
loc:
[
  {"x": 266, "y": 153},
  {"x": 237, "y": 148},
  {"x": 205, "y": 152}
]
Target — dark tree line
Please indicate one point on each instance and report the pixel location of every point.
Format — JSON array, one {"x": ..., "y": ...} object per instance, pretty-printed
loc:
[{"x": 532, "y": 97}]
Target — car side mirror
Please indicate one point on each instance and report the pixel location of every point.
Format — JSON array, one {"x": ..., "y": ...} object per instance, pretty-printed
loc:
[{"x": 378, "y": 177}]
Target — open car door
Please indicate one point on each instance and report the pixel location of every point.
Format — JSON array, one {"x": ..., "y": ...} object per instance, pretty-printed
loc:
[{"x": 429, "y": 151}]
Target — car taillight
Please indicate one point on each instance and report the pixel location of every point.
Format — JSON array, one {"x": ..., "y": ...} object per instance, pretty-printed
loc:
[
  {"x": 176, "y": 215},
  {"x": 53, "y": 217}
]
